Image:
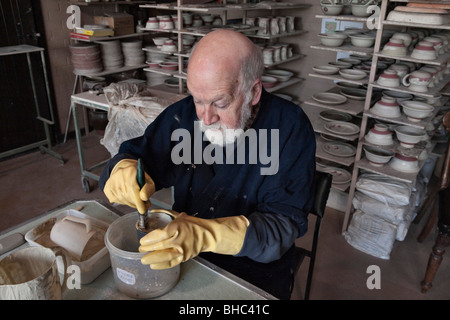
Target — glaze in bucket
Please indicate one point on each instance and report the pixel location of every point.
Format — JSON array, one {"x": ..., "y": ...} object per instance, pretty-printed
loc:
[{"x": 133, "y": 278}]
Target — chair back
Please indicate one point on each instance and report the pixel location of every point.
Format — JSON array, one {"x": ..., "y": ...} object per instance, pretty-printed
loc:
[
  {"x": 322, "y": 186},
  {"x": 446, "y": 166}
]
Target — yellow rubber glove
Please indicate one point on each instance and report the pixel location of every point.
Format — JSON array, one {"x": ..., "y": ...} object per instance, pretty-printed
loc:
[
  {"x": 186, "y": 237},
  {"x": 122, "y": 186}
]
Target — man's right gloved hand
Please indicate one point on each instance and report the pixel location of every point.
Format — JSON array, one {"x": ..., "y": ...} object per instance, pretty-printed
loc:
[{"x": 122, "y": 186}]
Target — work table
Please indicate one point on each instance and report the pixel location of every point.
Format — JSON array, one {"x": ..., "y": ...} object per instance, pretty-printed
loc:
[{"x": 199, "y": 279}]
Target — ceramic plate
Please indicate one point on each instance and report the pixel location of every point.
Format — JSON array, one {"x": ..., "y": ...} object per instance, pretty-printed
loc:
[
  {"x": 342, "y": 128},
  {"x": 173, "y": 83},
  {"x": 326, "y": 69},
  {"x": 334, "y": 115},
  {"x": 355, "y": 94},
  {"x": 344, "y": 85},
  {"x": 329, "y": 98},
  {"x": 352, "y": 74},
  {"x": 339, "y": 149},
  {"x": 340, "y": 176}
]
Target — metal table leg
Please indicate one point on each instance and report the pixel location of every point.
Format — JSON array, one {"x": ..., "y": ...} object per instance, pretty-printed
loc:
[{"x": 46, "y": 122}]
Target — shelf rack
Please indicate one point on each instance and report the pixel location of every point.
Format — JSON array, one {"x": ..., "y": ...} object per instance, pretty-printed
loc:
[
  {"x": 221, "y": 9},
  {"x": 361, "y": 163}
]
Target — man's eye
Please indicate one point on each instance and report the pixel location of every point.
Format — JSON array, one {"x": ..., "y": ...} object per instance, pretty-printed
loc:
[{"x": 220, "y": 105}]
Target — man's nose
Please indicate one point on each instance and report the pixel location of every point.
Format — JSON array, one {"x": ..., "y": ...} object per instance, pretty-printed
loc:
[{"x": 209, "y": 115}]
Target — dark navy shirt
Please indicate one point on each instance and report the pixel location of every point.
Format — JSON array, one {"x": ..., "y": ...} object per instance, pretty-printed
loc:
[{"x": 275, "y": 204}]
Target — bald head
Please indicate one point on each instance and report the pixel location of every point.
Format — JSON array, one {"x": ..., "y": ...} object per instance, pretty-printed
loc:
[{"x": 225, "y": 56}]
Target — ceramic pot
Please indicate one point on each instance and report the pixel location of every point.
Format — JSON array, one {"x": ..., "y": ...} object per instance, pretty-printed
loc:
[{"x": 417, "y": 81}]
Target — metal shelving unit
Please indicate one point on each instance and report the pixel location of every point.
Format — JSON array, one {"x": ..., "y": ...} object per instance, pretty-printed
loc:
[
  {"x": 361, "y": 163},
  {"x": 44, "y": 145},
  {"x": 222, "y": 9}
]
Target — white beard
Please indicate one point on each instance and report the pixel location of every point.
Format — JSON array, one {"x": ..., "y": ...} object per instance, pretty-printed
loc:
[{"x": 218, "y": 134}]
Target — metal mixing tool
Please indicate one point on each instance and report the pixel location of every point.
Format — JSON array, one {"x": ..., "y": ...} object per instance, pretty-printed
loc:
[{"x": 141, "y": 223}]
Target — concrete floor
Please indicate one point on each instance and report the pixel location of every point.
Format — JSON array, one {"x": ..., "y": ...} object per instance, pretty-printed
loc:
[{"x": 35, "y": 183}]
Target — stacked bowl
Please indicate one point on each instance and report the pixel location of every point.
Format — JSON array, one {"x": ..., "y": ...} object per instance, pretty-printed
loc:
[
  {"x": 112, "y": 54},
  {"x": 86, "y": 58},
  {"x": 132, "y": 52}
]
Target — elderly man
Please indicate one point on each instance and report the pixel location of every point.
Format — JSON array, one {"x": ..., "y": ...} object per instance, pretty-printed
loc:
[{"x": 240, "y": 213}]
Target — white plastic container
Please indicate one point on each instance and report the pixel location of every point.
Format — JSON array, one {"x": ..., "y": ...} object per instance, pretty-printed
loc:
[
  {"x": 133, "y": 278},
  {"x": 91, "y": 268}
]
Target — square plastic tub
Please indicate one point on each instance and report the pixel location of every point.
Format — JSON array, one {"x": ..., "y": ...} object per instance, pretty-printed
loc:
[{"x": 91, "y": 268}]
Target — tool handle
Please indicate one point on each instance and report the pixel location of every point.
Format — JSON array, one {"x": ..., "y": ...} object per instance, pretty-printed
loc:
[{"x": 140, "y": 176}]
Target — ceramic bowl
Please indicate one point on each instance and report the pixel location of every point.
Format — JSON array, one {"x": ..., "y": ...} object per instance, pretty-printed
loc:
[
  {"x": 332, "y": 39},
  {"x": 380, "y": 135},
  {"x": 362, "y": 40},
  {"x": 399, "y": 96},
  {"x": 424, "y": 51},
  {"x": 360, "y": 57},
  {"x": 389, "y": 78},
  {"x": 159, "y": 41},
  {"x": 154, "y": 63},
  {"x": 268, "y": 81},
  {"x": 332, "y": 9},
  {"x": 404, "y": 164},
  {"x": 188, "y": 39},
  {"x": 353, "y": 61},
  {"x": 281, "y": 75},
  {"x": 386, "y": 107},
  {"x": 354, "y": 93},
  {"x": 360, "y": 10},
  {"x": 207, "y": 18},
  {"x": 409, "y": 136},
  {"x": 169, "y": 66},
  {"x": 341, "y": 65},
  {"x": 395, "y": 47},
  {"x": 352, "y": 74},
  {"x": 416, "y": 110},
  {"x": 377, "y": 156},
  {"x": 169, "y": 46},
  {"x": 327, "y": 69}
]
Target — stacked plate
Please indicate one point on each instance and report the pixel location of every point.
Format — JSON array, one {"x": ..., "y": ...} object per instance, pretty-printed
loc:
[
  {"x": 112, "y": 54},
  {"x": 86, "y": 58},
  {"x": 132, "y": 52}
]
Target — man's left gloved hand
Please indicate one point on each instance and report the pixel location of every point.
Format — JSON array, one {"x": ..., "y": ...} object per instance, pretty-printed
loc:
[{"x": 186, "y": 237}]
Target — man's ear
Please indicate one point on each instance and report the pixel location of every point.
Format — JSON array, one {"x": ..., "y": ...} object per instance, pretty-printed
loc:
[{"x": 256, "y": 92}]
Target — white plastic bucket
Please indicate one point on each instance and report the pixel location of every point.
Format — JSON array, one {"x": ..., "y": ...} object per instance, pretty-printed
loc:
[{"x": 132, "y": 277}]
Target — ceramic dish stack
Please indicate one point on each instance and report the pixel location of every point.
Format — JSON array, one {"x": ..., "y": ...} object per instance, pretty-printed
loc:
[
  {"x": 132, "y": 52},
  {"x": 86, "y": 58},
  {"x": 112, "y": 54}
]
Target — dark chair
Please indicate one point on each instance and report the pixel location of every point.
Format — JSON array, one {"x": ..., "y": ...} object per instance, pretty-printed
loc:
[
  {"x": 441, "y": 212},
  {"x": 322, "y": 188}
]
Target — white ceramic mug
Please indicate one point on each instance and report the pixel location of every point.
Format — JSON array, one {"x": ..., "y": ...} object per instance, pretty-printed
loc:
[
  {"x": 417, "y": 81},
  {"x": 401, "y": 69},
  {"x": 264, "y": 26},
  {"x": 32, "y": 274},
  {"x": 268, "y": 55}
]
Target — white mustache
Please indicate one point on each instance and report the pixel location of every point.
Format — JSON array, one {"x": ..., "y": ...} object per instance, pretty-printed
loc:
[{"x": 213, "y": 126}]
